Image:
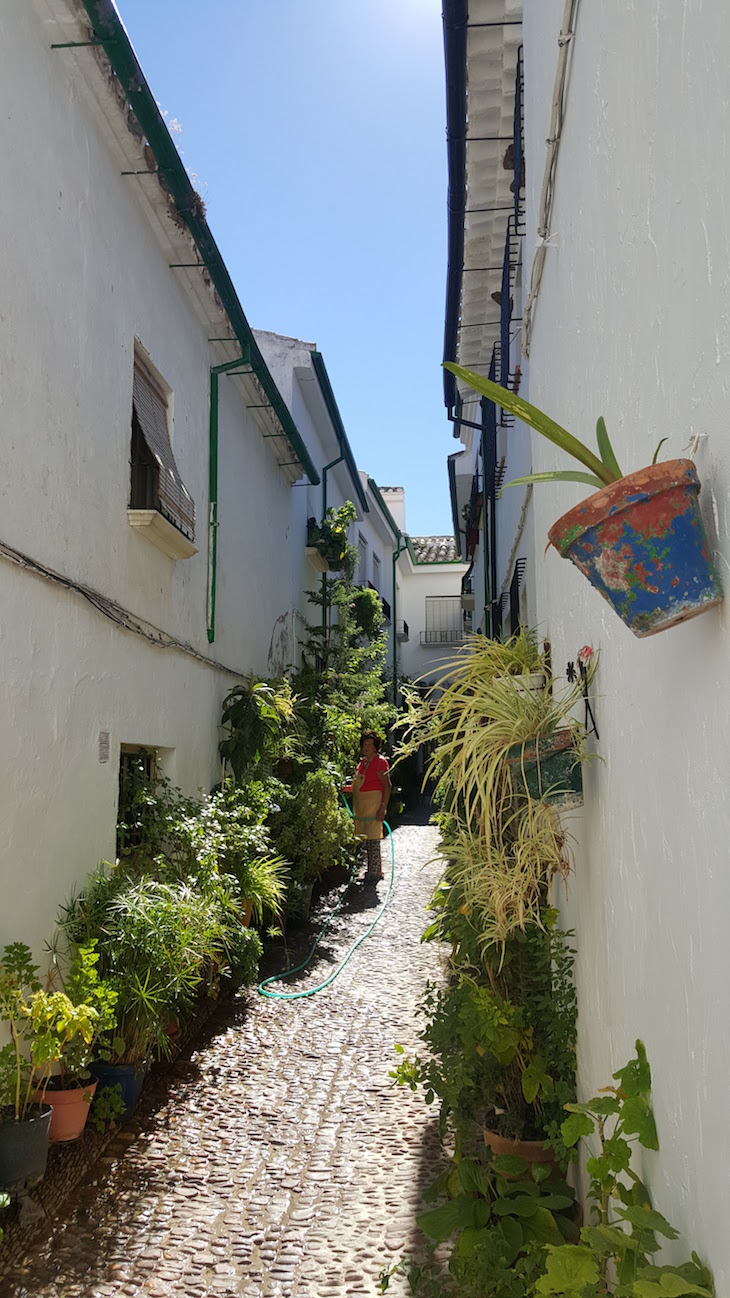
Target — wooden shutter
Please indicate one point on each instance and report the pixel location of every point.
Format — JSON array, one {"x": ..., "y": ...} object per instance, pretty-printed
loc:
[{"x": 150, "y": 411}]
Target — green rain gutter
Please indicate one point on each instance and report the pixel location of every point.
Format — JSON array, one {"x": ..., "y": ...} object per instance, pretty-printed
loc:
[
  {"x": 334, "y": 414},
  {"x": 107, "y": 29},
  {"x": 454, "y": 502},
  {"x": 396, "y": 555},
  {"x": 229, "y": 367}
]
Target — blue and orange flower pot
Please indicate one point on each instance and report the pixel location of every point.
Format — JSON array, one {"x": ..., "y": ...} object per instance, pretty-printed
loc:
[{"x": 641, "y": 543}]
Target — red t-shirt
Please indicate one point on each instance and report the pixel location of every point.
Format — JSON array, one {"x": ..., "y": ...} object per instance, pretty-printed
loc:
[{"x": 378, "y": 766}]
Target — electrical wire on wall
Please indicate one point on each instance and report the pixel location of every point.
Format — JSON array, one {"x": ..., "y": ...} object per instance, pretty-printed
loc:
[
  {"x": 560, "y": 91},
  {"x": 114, "y": 612}
]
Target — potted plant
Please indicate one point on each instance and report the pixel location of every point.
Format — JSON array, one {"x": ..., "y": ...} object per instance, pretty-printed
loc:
[
  {"x": 39, "y": 1023},
  {"x": 69, "y": 1087},
  {"x": 329, "y": 540},
  {"x": 639, "y": 539}
]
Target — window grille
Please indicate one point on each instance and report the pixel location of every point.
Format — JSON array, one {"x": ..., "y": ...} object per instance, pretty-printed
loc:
[
  {"x": 444, "y": 622},
  {"x": 156, "y": 481},
  {"x": 376, "y": 572},
  {"x": 136, "y": 779},
  {"x": 514, "y": 596}
]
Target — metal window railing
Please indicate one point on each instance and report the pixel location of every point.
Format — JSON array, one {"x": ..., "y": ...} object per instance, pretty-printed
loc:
[{"x": 441, "y": 636}]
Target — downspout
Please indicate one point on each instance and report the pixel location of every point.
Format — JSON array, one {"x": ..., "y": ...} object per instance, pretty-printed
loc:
[
  {"x": 396, "y": 556},
  {"x": 486, "y": 549},
  {"x": 215, "y": 370},
  {"x": 325, "y": 471}
]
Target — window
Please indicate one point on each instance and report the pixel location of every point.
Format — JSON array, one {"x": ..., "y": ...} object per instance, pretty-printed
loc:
[
  {"x": 376, "y": 572},
  {"x": 137, "y": 773},
  {"x": 156, "y": 483},
  {"x": 444, "y": 623},
  {"x": 362, "y": 567}
]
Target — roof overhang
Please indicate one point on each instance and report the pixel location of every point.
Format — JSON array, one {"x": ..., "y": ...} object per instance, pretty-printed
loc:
[
  {"x": 481, "y": 43},
  {"x": 102, "y": 63}
]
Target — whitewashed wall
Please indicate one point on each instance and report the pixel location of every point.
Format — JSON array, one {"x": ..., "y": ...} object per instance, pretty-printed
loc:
[
  {"x": 83, "y": 275},
  {"x": 632, "y": 323},
  {"x": 417, "y": 582}
]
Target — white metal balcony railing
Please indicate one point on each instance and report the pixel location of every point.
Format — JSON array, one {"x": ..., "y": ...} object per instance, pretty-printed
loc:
[{"x": 442, "y": 636}]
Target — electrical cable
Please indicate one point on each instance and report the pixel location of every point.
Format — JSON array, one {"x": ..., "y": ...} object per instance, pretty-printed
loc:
[{"x": 288, "y": 973}]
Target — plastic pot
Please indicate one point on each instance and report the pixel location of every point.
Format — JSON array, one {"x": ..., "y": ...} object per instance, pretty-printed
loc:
[
  {"x": 641, "y": 543},
  {"x": 128, "y": 1076},
  {"x": 69, "y": 1110},
  {"x": 23, "y": 1148},
  {"x": 548, "y": 769}
]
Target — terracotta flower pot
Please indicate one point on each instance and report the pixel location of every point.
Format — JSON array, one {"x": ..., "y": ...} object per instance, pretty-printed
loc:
[
  {"x": 548, "y": 769},
  {"x": 70, "y": 1110},
  {"x": 642, "y": 544},
  {"x": 533, "y": 1151}
]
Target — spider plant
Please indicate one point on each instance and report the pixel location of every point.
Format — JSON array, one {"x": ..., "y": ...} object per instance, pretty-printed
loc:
[
  {"x": 603, "y": 469},
  {"x": 474, "y": 723},
  {"x": 504, "y": 878}
]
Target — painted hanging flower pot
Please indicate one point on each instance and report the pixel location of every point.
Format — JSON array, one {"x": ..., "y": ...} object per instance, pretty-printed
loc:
[{"x": 639, "y": 539}]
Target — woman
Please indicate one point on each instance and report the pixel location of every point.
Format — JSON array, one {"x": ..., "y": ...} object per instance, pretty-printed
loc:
[{"x": 371, "y": 788}]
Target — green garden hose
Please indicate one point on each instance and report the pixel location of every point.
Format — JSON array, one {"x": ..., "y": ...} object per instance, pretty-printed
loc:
[{"x": 288, "y": 973}]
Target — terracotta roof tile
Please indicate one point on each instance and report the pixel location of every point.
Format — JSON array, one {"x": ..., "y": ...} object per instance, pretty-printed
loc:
[{"x": 434, "y": 549}]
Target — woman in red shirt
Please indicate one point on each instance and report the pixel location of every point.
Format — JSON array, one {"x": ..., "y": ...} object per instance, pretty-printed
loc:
[{"x": 371, "y": 788}]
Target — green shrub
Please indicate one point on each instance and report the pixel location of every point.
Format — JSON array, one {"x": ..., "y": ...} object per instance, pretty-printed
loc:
[{"x": 311, "y": 829}]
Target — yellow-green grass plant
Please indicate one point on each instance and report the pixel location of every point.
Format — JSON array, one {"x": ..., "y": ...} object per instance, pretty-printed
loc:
[
  {"x": 505, "y": 878},
  {"x": 472, "y": 723}
]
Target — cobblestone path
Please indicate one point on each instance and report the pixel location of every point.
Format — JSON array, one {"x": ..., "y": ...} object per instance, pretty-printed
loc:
[{"x": 278, "y": 1160}]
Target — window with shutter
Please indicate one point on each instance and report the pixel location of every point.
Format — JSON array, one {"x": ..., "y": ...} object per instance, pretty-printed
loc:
[{"x": 156, "y": 482}]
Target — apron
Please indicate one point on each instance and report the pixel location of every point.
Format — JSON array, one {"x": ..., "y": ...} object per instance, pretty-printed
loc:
[{"x": 366, "y": 810}]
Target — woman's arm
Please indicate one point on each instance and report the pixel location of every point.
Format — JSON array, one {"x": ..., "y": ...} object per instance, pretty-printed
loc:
[{"x": 384, "y": 778}]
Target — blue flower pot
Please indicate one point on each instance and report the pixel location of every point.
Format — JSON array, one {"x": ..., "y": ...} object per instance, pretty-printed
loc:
[
  {"x": 642, "y": 544},
  {"x": 129, "y": 1077}
]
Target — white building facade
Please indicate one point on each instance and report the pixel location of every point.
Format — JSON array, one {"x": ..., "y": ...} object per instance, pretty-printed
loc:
[{"x": 629, "y": 321}]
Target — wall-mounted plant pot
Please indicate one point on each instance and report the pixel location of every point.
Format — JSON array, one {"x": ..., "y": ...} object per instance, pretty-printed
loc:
[
  {"x": 23, "y": 1148},
  {"x": 70, "y": 1109},
  {"x": 641, "y": 543},
  {"x": 548, "y": 769},
  {"x": 317, "y": 560},
  {"x": 127, "y": 1076}
]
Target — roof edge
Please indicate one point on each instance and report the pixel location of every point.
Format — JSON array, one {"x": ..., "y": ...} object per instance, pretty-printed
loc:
[
  {"x": 455, "y": 15},
  {"x": 384, "y": 509},
  {"x": 109, "y": 31},
  {"x": 323, "y": 379}
]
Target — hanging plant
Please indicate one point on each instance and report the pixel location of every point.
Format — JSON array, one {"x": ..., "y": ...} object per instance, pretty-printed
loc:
[{"x": 639, "y": 539}]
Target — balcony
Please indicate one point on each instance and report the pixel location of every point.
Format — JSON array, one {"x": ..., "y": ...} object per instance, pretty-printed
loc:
[
  {"x": 442, "y": 636},
  {"x": 401, "y": 629},
  {"x": 386, "y": 610}
]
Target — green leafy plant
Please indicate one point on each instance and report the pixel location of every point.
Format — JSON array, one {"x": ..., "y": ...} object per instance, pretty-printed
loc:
[
  {"x": 260, "y": 717},
  {"x": 615, "y": 1254},
  {"x": 331, "y": 537},
  {"x": 310, "y": 828},
  {"x": 603, "y": 469},
  {"x": 108, "y": 1107},
  {"x": 84, "y": 987},
  {"x": 44, "y": 1026},
  {"x": 500, "y": 1046}
]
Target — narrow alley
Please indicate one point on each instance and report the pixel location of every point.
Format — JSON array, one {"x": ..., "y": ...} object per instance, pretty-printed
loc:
[{"x": 277, "y": 1160}]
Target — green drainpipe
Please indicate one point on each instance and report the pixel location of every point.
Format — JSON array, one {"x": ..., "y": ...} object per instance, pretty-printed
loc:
[
  {"x": 396, "y": 556},
  {"x": 325, "y": 471},
  {"x": 485, "y": 547},
  {"x": 215, "y": 370}
]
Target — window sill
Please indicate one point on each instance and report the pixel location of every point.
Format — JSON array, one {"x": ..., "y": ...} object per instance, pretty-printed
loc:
[{"x": 154, "y": 527}]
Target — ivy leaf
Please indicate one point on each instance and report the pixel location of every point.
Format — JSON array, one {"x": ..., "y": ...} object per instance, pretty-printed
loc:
[
  {"x": 513, "y": 1236},
  {"x": 569, "y": 1270},
  {"x": 637, "y": 1119},
  {"x": 474, "y": 1177},
  {"x": 440, "y": 1223},
  {"x": 509, "y": 1165},
  {"x": 635, "y": 1077},
  {"x": 669, "y": 1285},
  {"x": 577, "y": 1125},
  {"x": 542, "y": 1229},
  {"x": 520, "y": 1206},
  {"x": 646, "y": 1218}
]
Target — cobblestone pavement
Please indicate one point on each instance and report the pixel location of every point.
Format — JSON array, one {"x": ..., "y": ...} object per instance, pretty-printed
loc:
[{"x": 277, "y": 1160}]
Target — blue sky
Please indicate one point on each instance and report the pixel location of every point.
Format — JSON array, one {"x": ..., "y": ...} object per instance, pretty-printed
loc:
[{"x": 316, "y": 132}]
